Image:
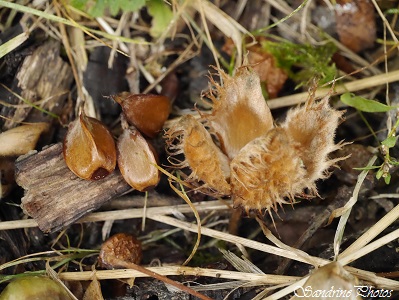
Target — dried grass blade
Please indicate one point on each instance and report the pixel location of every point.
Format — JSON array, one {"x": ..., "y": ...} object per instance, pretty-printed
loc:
[
  {"x": 371, "y": 233},
  {"x": 345, "y": 211},
  {"x": 184, "y": 196}
]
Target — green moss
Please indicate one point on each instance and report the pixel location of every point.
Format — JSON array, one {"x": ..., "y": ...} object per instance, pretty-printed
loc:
[{"x": 305, "y": 62}]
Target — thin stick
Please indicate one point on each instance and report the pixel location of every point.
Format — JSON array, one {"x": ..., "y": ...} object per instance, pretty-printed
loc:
[
  {"x": 127, "y": 214},
  {"x": 260, "y": 279},
  {"x": 353, "y": 86},
  {"x": 119, "y": 262}
]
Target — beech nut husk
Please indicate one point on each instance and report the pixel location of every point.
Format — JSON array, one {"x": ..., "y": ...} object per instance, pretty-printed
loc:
[
  {"x": 89, "y": 149},
  {"x": 146, "y": 112},
  {"x": 137, "y": 160}
]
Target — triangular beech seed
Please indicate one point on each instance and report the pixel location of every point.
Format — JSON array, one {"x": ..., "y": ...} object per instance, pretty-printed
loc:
[
  {"x": 136, "y": 160},
  {"x": 89, "y": 148}
]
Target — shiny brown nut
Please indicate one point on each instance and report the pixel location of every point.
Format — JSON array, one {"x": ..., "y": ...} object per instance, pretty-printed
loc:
[
  {"x": 137, "y": 160},
  {"x": 119, "y": 249},
  {"x": 146, "y": 112},
  {"x": 89, "y": 149}
]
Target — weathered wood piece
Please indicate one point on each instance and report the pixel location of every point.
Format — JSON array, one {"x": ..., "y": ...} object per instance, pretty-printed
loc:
[
  {"x": 42, "y": 76},
  {"x": 54, "y": 196}
]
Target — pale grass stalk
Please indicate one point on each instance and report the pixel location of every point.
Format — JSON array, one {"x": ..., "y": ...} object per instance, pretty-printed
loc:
[
  {"x": 13, "y": 43},
  {"x": 370, "y": 247},
  {"x": 269, "y": 235},
  {"x": 127, "y": 214},
  {"x": 237, "y": 240},
  {"x": 364, "y": 275},
  {"x": 382, "y": 196},
  {"x": 260, "y": 279},
  {"x": 50, "y": 17},
  {"x": 371, "y": 233},
  {"x": 226, "y": 24},
  {"x": 353, "y": 86},
  {"x": 287, "y": 290},
  {"x": 386, "y": 23},
  {"x": 345, "y": 211},
  {"x": 111, "y": 31}
]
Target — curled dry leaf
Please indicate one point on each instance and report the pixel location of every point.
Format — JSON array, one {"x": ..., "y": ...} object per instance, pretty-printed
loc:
[
  {"x": 89, "y": 148},
  {"x": 137, "y": 160},
  {"x": 120, "y": 247},
  {"x": 331, "y": 281},
  {"x": 268, "y": 164},
  {"x": 356, "y": 26},
  {"x": 146, "y": 112},
  {"x": 22, "y": 139}
]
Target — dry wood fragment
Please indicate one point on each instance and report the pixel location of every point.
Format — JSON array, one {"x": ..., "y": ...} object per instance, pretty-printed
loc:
[
  {"x": 42, "y": 76},
  {"x": 54, "y": 196}
]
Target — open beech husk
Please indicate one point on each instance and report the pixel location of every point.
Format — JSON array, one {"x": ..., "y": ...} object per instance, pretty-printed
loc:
[
  {"x": 89, "y": 148},
  {"x": 136, "y": 160},
  {"x": 265, "y": 165},
  {"x": 22, "y": 139},
  {"x": 146, "y": 112},
  {"x": 240, "y": 113},
  {"x": 331, "y": 281},
  {"x": 202, "y": 156}
]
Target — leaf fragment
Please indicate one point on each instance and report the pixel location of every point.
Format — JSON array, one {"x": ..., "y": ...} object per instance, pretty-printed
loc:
[{"x": 363, "y": 104}]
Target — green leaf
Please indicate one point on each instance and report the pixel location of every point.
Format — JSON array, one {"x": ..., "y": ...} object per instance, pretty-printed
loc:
[
  {"x": 390, "y": 141},
  {"x": 364, "y": 104},
  {"x": 379, "y": 174},
  {"x": 367, "y": 168},
  {"x": 97, "y": 8},
  {"x": 161, "y": 14},
  {"x": 387, "y": 178}
]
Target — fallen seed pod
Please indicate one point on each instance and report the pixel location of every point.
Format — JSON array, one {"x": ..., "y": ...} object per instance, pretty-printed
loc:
[
  {"x": 265, "y": 165},
  {"x": 136, "y": 160},
  {"x": 89, "y": 149},
  {"x": 34, "y": 287},
  {"x": 146, "y": 112},
  {"x": 120, "y": 247}
]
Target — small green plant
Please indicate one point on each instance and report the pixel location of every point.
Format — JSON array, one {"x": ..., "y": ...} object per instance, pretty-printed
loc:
[
  {"x": 160, "y": 12},
  {"x": 372, "y": 106}
]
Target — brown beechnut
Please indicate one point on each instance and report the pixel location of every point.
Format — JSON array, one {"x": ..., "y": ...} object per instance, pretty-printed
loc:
[{"x": 259, "y": 164}]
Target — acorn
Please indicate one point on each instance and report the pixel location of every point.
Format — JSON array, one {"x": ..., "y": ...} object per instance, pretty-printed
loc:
[
  {"x": 147, "y": 112},
  {"x": 89, "y": 148},
  {"x": 34, "y": 287},
  {"x": 137, "y": 160}
]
